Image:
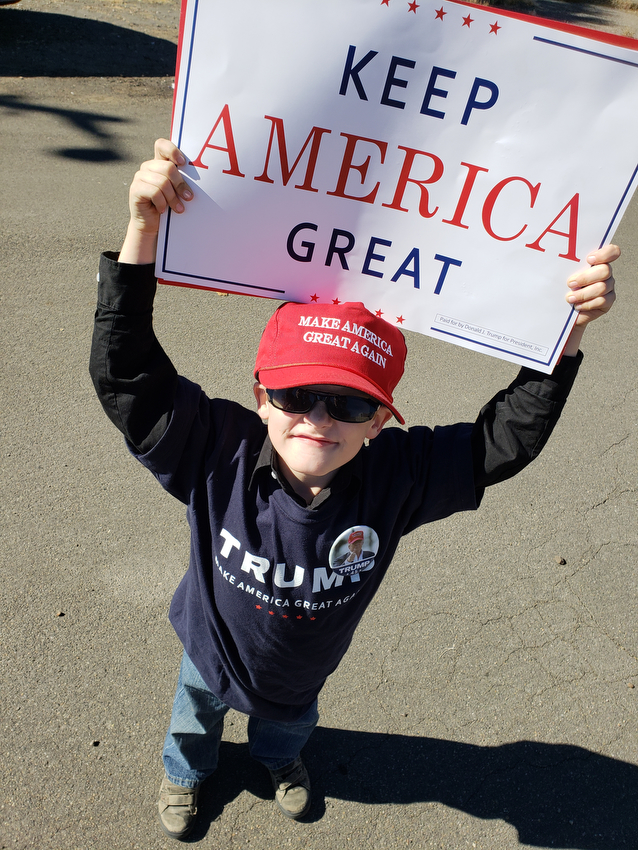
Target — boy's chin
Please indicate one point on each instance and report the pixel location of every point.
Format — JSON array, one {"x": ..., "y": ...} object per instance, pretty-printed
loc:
[{"x": 304, "y": 467}]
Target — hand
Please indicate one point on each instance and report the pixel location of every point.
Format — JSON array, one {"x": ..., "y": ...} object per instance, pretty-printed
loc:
[
  {"x": 592, "y": 292},
  {"x": 157, "y": 186}
]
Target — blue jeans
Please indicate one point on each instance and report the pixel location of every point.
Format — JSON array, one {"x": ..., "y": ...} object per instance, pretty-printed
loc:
[{"x": 192, "y": 742}]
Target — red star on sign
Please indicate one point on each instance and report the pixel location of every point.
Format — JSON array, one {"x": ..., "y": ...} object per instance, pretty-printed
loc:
[
  {"x": 440, "y": 14},
  {"x": 400, "y": 320},
  {"x": 495, "y": 28},
  {"x": 385, "y": 2},
  {"x": 336, "y": 301},
  {"x": 467, "y": 21},
  {"x": 378, "y": 313},
  {"x": 413, "y": 7},
  {"x": 314, "y": 297}
]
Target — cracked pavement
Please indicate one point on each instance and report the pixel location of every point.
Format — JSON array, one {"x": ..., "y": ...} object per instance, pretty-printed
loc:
[{"x": 490, "y": 697}]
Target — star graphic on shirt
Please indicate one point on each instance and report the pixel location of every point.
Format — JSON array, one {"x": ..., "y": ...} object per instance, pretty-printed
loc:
[
  {"x": 400, "y": 320},
  {"x": 284, "y": 616},
  {"x": 258, "y": 607},
  {"x": 314, "y": 297},
  {"x": 379, "y": 313},
  {"x": 495, "y": 28},
  {"x": 336, "y": 301},
  {"x": 313, "y": 618},
  {"x": 440, "y": 14},
  {"x": 299, "y": 617},
  {"x": 467, "y": 21},
  {"x": 413, "y": 7},
  {"x": 272, "y": 613}
]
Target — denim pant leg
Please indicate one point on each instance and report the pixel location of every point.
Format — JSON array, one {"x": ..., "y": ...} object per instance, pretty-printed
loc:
[
  {"x": 276, "y": 744},
  {"x": 192, "y": 743}
]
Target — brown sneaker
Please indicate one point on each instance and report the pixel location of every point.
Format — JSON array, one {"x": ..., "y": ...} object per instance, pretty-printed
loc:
[
  {"x": 292, "y": 789},
  {"x": 177, "y": 808}
]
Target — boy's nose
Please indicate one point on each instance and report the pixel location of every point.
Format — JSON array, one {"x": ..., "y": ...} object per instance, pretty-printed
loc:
[{"x": 318, "y": 414}]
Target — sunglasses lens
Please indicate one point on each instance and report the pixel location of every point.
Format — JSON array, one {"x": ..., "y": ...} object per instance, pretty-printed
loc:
[
  {"x": 343, "y": 408},
  {"x": 292, "y": 400},
  {"x": 351, "y": 408}
]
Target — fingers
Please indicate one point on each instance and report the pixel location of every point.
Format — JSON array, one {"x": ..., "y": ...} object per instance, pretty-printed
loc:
[
  {"x": 606, "y": 254},
  {"x": 158, "y": 184},
  {"x": 165, "y": 149},
  {"x": 592, "y": 291},
  {"x": 599, "y": 268},
  {"x": 595, "y": 301},
  {"x": 595, "y": 280},
  {"x": 583, "y": 292}
]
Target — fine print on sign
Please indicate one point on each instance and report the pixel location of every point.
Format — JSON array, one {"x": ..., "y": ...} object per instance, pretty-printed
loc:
[{"x": 448, "y": 165}]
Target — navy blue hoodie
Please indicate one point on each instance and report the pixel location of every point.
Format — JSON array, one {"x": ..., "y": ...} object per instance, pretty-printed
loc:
[{"x": 269, "y": 603}]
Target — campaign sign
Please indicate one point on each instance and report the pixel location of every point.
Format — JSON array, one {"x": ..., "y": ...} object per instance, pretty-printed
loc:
[{"x": 446, "y": 164}]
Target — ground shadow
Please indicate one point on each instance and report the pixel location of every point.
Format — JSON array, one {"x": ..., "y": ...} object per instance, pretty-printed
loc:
[
  {"x": 43, "y": 44},
  {"x": 91, "y": 126},
  {"x": 554, "y": 795},
  {"x": 574, "y": 12}
]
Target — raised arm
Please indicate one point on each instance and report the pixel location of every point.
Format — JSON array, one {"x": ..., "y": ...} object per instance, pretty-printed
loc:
[
  {"x": 134, "y": 379},
  {"x": 157, "y": 186},
  {"x": 512, "y": 429}
]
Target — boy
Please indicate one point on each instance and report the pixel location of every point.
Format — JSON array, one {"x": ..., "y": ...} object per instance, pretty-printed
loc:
[{"x": 294, "y": 521}]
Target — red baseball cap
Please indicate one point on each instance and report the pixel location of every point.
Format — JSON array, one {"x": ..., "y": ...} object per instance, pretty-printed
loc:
[
  {"x": 356, "y": 535},
  {"x": 344, "y": 345}
]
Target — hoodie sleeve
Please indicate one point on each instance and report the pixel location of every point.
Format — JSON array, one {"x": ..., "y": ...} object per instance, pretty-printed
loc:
[
  {"x": 513, "y": 428},
  {"x": 133, "y": 376}
]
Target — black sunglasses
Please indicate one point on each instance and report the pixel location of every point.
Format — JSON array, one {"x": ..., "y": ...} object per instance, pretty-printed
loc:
[{"x": 343, "y": 408}]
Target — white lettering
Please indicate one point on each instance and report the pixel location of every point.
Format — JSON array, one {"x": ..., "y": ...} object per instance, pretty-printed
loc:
[
  {"x": 259, "y": 566},
  {"x": 229, "y": 544},
  {"x": 296, "y": 580},
  {"x": 322, "y": 581}
]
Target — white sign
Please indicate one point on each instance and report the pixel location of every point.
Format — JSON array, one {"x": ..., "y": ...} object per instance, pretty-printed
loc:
[{"x": 448, "y": 165}]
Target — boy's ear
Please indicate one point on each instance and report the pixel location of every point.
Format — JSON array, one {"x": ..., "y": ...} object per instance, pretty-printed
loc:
[
  {"x": 262, "y": 400},
  {"x": 380, "y": 418}
]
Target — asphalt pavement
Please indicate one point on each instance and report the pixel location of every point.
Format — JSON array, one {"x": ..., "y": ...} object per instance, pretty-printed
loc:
[{"x": 488, "y": 699}]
